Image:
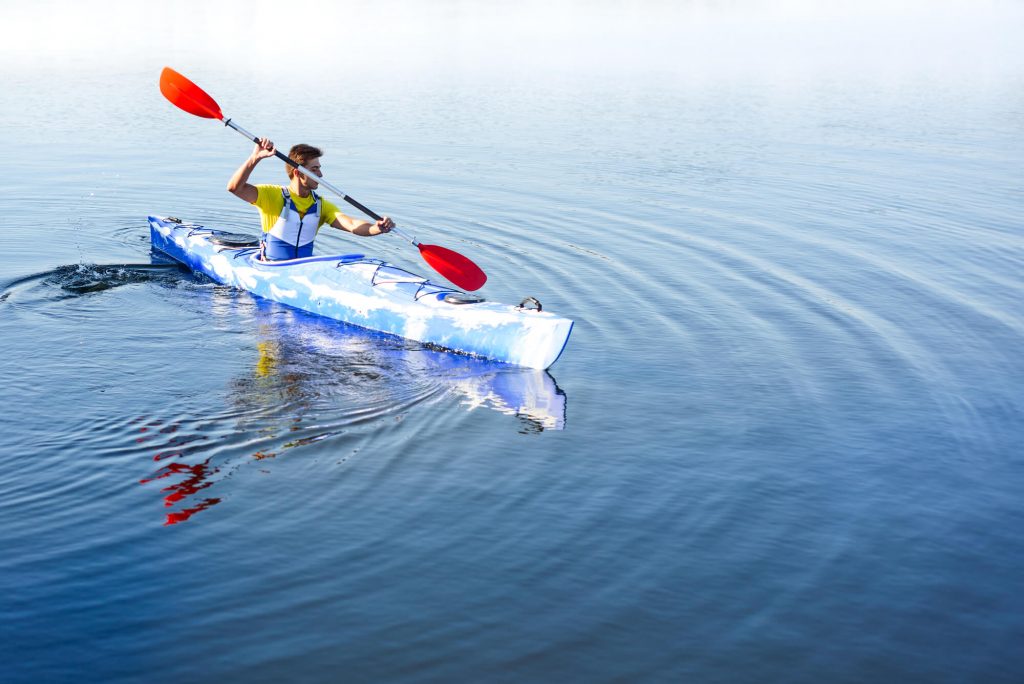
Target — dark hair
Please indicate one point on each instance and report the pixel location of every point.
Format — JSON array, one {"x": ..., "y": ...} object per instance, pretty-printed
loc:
[{"x": 301, "y": 154}]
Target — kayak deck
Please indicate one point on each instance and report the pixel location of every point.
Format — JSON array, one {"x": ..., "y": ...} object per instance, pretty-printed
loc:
[{"x": 372, "y": 294}]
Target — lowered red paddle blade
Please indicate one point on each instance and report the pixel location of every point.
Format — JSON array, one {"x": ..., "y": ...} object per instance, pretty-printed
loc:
[
  {"x": 186, "y": 95},
  {"x": 453, "y": 266}
]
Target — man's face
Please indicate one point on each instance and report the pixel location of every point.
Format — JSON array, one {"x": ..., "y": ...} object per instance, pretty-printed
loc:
[{"x": 314, "y": 166}]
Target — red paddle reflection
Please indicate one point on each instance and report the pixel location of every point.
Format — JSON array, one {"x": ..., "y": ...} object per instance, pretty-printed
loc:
[
  {"x": 194, "y": 477},
  {"x": 195, "y": 480}
]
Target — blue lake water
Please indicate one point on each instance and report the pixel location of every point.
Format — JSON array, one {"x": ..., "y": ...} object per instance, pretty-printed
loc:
[{"x": 783, "y": 444}]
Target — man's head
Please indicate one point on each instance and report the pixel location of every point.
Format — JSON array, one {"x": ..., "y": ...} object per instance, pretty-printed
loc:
[{"x": 308, "y": 156}]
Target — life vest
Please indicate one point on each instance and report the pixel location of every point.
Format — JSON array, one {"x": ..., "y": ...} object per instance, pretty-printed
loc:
[{"x": 292, "y": 236}]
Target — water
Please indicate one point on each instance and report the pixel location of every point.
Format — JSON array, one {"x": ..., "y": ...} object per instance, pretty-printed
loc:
[{"x": 782, "y": 444}]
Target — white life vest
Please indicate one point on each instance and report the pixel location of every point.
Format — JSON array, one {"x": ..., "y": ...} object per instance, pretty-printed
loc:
[{"x": 292, "y": 236}]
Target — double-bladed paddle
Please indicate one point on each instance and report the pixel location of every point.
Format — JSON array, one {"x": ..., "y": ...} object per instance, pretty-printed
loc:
[{"x": 186, "y": 95}]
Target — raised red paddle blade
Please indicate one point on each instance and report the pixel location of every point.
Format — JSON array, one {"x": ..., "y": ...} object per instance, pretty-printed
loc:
[
  {"x": 186, "y": 95},
  {"x": 453, "y": 266}
]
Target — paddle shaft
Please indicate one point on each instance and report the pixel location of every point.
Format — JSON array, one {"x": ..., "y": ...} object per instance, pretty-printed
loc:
[{"x": 322, "y": 181}]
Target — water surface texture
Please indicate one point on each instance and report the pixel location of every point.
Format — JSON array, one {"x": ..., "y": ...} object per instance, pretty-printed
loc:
[{"x": 783, "y": 444}]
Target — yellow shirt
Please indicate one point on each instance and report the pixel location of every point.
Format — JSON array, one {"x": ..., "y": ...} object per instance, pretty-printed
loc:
[{"x": 270, "y": 202}]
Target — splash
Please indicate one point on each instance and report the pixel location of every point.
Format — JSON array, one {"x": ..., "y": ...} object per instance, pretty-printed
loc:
[{"x": 80, "y": 279}]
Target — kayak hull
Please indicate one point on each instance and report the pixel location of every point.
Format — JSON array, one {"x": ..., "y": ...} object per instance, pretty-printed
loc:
[{"x": 372, "y": 294}]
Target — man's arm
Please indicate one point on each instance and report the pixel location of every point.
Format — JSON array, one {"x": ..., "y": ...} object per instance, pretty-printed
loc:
[
  {"x": 364, "y": 228},
  {"x": 239, "y": 185}
]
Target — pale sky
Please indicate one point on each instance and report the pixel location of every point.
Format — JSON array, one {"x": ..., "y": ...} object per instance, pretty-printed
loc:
[{"x": 682, "y": 37}]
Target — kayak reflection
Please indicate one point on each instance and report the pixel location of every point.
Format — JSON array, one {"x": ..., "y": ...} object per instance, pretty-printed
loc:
[
  {"x": 302, "y": 358},
  {"x": 312, "y": 380}
]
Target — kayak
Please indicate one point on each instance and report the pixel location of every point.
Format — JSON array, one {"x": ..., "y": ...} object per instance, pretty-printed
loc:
[{"x": 370, "y": 293}]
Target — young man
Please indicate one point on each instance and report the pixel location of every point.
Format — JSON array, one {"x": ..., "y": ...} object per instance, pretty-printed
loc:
[{"x": 292, "y": 215}]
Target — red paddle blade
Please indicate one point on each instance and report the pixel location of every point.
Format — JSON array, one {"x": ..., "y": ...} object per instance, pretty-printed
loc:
[
  {"x": 453, "y": 266},
  {"x": 186, "y": 95}
]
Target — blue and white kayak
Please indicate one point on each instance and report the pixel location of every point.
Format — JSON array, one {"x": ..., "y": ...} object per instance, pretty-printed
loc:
[{"x": 370, "y": 293}]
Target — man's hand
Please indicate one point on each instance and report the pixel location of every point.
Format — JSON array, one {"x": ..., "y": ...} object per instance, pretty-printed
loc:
[
  {"x": 385, "y": 225},
  {"x": 264, "y": 148},
  {"x": 239, "y": 185}
]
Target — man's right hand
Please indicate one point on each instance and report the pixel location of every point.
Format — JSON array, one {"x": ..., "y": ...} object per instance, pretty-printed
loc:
[
  {"x": 264, "y": 149},
  {"x": 239, "y": 185}
]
